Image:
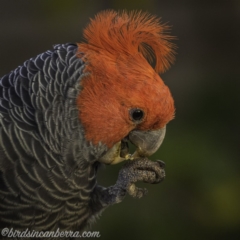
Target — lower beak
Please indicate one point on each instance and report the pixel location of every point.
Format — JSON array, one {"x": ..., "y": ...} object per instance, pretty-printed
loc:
[{"x": 146, "y": 142}]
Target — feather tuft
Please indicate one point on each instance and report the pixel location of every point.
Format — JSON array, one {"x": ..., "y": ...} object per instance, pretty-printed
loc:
[{"x": 121, "y": 33}]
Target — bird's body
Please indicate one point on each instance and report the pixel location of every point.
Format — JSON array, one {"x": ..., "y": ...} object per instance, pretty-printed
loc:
[
  {"x": 69, "y": 109},
  {"x": 41, "y": 146}
]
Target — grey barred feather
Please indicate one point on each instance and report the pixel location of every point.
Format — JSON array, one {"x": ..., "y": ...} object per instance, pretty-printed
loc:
[{"x": 47, "y": 169}]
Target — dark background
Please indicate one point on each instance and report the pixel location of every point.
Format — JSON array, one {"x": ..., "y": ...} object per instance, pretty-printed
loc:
[{"x": 200, "y": 198}]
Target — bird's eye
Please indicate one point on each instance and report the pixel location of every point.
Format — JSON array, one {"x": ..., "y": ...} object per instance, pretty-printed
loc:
[{"x": 136, "y": 114}]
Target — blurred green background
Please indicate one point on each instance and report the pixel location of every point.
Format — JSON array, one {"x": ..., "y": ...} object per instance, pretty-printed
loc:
[{"x": 200, "y": 197}]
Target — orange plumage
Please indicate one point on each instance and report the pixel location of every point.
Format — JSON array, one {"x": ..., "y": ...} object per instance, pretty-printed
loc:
[{"x": 118, "y": 52}]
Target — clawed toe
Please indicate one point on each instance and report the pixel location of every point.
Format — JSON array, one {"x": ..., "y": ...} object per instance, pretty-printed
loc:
[{"x": 143, "y": 170}]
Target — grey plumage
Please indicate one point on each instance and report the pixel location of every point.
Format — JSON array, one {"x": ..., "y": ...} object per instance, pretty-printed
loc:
[{"x": 47, "y": 167}]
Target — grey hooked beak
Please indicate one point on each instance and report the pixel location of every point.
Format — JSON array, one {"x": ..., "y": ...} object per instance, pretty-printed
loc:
[{"x": 146, "y": 142}]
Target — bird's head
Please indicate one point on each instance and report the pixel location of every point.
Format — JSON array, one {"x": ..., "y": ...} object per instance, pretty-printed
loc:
[{"x": 123, "y": 97}]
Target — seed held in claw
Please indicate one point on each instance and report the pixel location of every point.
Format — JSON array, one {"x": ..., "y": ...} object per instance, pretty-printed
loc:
[{"x": 129, "y": 157}]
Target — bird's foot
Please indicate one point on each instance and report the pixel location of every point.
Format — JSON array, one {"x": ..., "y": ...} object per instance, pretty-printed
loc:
[{"x": 141, "y": 169}]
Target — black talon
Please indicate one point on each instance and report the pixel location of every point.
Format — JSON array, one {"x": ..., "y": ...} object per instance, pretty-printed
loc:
[{"x": 161, "y": 163}]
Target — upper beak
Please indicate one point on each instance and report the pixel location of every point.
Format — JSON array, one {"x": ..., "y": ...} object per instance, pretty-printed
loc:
[{"x": 146, "y": 142}]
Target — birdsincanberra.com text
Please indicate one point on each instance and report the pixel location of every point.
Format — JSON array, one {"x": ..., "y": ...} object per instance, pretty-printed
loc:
[{"x": 11, "y": 233}]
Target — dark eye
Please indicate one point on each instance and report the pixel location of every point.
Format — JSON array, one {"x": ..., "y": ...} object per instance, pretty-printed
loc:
[{"x": 136, "y": 114}]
